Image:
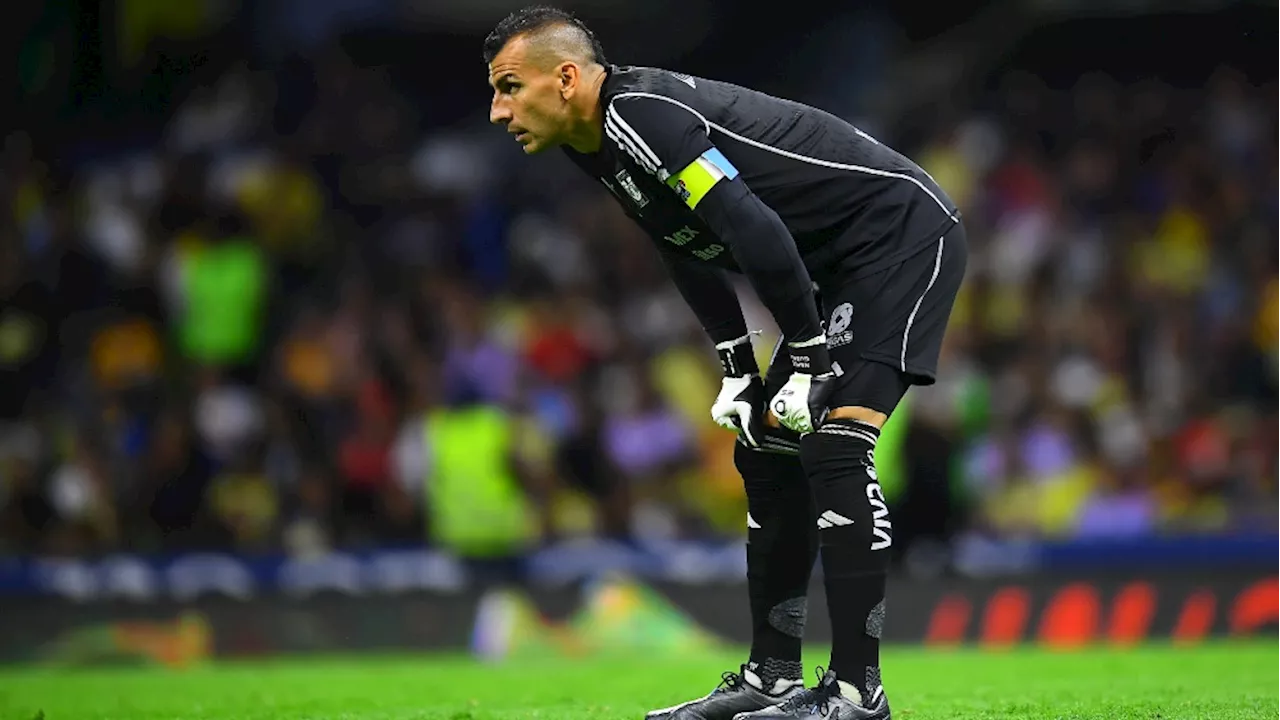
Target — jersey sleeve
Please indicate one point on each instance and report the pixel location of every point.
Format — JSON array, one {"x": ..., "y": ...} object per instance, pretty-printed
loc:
[
  {"x": 661, "y": 134},
  {"x": 709, "y": 295},
  {"x": 670, "y": 140}
]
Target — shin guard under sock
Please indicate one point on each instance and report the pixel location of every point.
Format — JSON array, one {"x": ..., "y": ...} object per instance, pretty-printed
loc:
[{"x": 853, "y": 522}]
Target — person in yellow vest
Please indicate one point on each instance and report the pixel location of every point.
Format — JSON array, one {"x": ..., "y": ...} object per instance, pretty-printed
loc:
[
  {"x": 224, "y": 287},
  {"x": 475, "y": 490}
]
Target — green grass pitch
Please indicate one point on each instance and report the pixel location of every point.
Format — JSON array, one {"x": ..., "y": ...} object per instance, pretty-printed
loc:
[{"x": 1220, "y": 682}]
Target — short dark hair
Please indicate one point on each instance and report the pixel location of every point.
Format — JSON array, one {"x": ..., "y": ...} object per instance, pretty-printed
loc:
[{"x": 536, "y": 17}]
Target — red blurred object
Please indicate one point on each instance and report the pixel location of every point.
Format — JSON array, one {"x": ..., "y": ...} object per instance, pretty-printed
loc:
[
  {"x": 1203, "y": 448},
  {"x": 1019, "y": 185},
  {"x": 558, "y": 354},
  {"x": 374, "y": 402},
  {"x": 365, "y": 461},
  {"x": 365, "y": 457}
]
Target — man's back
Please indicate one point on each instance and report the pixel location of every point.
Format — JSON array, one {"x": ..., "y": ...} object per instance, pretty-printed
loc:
[{"x": 846, "y": 198}]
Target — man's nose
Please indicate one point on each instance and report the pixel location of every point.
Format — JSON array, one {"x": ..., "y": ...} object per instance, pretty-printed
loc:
[{"x": 499, "y": 114}]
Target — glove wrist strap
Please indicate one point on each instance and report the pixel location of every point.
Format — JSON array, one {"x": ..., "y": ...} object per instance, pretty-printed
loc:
[
  {"x": 737, "y": 358},
  {"x": 810, "y": 357}
]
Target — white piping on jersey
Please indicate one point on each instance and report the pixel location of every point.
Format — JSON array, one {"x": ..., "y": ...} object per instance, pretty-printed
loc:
[
  {"x": 637, "y": 143},
  {"x": 622, "y": 144},
  {"x": 906, "y": 335},
  {"x": 708, "y": 125},
  {"x": 626, "y": 145}
]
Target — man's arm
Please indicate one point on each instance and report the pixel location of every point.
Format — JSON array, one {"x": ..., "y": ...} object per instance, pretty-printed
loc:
[
  {"x": 764, "y": 250},
  {"x": 740, "y": 403},
  {"x": 670, "y": 140},
  {"x": 708, "y": 293}
]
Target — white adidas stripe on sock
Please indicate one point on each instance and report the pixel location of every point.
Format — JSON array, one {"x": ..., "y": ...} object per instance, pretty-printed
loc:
[{"x": 831, "y": 518}]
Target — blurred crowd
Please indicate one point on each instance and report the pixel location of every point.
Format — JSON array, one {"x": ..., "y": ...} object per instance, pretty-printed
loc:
[
  {"x": 1118, "y": 331},
  {"x": 293, "y": 322}
]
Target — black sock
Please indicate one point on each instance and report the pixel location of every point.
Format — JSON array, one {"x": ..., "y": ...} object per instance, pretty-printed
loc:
[
  {"x": 853, "y": 524},
  {"x": 782, "y": 544}
]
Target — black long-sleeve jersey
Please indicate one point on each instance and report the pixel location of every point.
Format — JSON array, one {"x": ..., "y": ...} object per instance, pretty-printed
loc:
[{"x": 726, "y": 178}]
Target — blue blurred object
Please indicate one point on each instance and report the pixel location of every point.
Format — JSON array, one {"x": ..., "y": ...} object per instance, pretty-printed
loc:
[{"x": 184, "y": 577}]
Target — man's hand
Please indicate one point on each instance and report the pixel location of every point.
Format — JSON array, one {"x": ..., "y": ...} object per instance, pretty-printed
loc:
[
  {"x": 801, "y": 404},
  {"x": 738, "y": 406}
]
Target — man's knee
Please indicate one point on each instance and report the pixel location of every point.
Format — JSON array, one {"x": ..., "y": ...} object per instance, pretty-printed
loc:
[
  {"x": 769, "y": 476},
  {"x": 839, "y": 460},
  {"x": 839, "y": 445}
]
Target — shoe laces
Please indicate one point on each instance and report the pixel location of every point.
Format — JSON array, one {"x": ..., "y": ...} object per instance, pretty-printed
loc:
[
  {"x": 731, "y": 681},
  {"x": 816, "y": 699}
]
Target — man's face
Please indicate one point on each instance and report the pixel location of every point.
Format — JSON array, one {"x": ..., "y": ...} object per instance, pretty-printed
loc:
[{"x": 527, "y": 99}]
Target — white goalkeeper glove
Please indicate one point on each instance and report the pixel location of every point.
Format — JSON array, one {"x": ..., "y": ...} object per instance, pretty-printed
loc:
[
  {"x": 738, "y": 406},
  {"x": 801, "y": 404}
]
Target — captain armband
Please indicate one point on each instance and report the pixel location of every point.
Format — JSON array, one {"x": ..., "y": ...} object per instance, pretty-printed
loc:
[{"x": 695, "y": 181}]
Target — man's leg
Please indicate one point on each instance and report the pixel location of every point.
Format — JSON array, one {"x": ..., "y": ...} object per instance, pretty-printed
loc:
[
  {"x": 885, "y": 334},
  {"x": 782, "y": 544},
  {"x": 852, "y": 522},
  {"x": 854, "y": 527}
]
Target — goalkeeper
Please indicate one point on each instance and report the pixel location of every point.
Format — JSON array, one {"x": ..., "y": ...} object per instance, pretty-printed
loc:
[{"x": 728, "y": 180}]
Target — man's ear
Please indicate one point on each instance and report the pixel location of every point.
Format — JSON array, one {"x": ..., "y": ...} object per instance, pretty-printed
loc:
[{"x": 569, "y": 76}]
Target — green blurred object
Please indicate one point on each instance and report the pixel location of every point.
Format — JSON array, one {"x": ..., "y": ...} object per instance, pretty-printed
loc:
[
  {"x": 974, "y": 403},
  {"x": 508, "y": 626},
  {"x": 974, "y": 414},
  {"x": 224, "y": 295},
  {"x": 622, "y": 615},
  {"x": 478, "y": 508},
  {"x": 890, "y": 460}
]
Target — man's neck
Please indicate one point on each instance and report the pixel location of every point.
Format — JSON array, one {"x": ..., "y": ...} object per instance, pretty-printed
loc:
[{"x": 590, "y": 132}]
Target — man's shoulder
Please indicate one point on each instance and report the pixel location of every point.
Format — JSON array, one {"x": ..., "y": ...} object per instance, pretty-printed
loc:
[
  {"x": 708, "y": 99},
  {"x": 639, "y": 81}
]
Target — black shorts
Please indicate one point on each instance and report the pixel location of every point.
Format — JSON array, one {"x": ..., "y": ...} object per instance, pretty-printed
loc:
[{"x": 885, "y": 329}]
